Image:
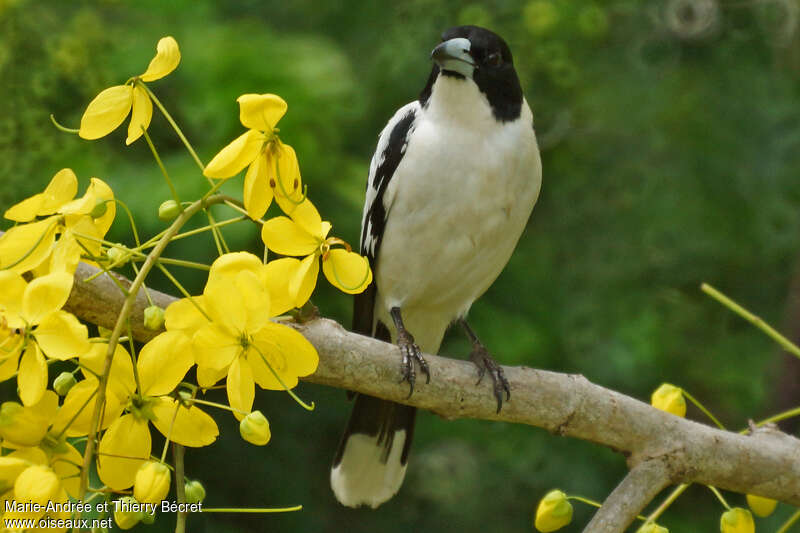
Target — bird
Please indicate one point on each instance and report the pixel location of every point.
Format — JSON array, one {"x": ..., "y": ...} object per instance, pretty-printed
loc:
[{"x": 451, "y": 186}]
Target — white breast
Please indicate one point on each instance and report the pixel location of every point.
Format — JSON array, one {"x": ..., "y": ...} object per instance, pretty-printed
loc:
[{"x": 456, "y": 207}]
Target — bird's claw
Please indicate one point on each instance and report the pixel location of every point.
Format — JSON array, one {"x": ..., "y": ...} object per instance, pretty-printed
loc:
[
  {"x": 480, "y": 356},
  {"x": 411, "y": 352}
]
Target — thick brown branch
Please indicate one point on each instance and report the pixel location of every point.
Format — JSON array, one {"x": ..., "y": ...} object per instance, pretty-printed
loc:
[{"x": 765, "y": 463}]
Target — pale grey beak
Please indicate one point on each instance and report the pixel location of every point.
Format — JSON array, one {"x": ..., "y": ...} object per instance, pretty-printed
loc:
[{"x": 453, "y": 55}]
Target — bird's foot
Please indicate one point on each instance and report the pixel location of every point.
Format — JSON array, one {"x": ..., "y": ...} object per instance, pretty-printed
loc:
[
  {"x": 480, "y": 356},
  {"x": 411, "y": 352}
]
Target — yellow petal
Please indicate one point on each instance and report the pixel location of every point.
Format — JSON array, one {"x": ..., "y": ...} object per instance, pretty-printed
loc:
[
  {"x": 106, "y": 112},
  {"x": 229, "y": 265},
  {"x": 240, "y": 386},
  {"x": 302, "y": 284},
  {"x": 214, "y": 348},
  {"x": 184, "y": 315},
  {"x": 762, "y": 507},
  {"x": 61, "y": 336},
  {"x": 10, "y": 469},
  {"x": 163, "y": 362},
  {"x": 277, "y": 272},
  {"x": 307, "y": 216},
  {"x": 347, "y": 271},
  {"x": 123, "y": 449},
  {"x": 254, "y": 299},
  {"x": 45, "y": 295},
  {"x": 190, "y": 426},
  {"x": 224, "y": 306},
  {"x": 66, "y": 255},
  {"x": 78, "y": 409},
  {"x": 27, "y": 426},
  {"x": 284, "y": 178},
  {"x": 285, "y": 350},
  {"x": 261, "y": 111},
  {"x": 234, "y": 157},
  {"x": 12, "y": 289},
  {"x": 32, "y": 377},
  {"x": 61, "y": 189},
  {"x": 38, "y": 484},
  {"x": 286, "y": 237},
  {"x": 208, "y": 377},
  {"x": 257, "y": 193},
  {"x": 24, "y": 247},
  {"x": 67, "y": 466},
  {"x": 141, "y": 114},
  {"x": 26, "y": 210},
  {"x": 10, "y": 350},
  {"x": 168, "y": 55},
  {"x": 121, "y": 381}
]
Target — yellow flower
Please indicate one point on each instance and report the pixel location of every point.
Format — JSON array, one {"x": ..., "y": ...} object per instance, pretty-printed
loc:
[
  {"x": 554, "y": 512},
  {"x": 254, "y": 428},
  {"x": 152, "y": 482},
  {"x": 652, "y": 527},
  {"x": 126, "y": 444},
  {"x": 305, "y": 234},
  {"x": 761, "y": 506},
  {"x": 110, "y": 108},
  {"x": 273, "y": 171},
  {"x": 240, "y": 341},
  {"x": 35, "y": 309},
  {"x": 24, "y": 426},
  {"x": 737, "y": 520},
  {"x": 669, "y": 398},
  {"x": 40, "y": 476},
  {"x": 80, "y": 223}
]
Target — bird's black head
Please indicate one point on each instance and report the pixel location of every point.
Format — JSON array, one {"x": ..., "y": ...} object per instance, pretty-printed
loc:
[{"x": 477, "y": 54}]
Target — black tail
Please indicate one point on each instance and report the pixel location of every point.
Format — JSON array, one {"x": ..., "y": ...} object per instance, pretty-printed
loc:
[{"x": 370, "y": 463}]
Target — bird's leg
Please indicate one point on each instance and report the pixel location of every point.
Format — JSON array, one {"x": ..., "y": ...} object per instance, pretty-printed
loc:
[
  {"x": 480, "y": 356},
  {"x": 410, "y": 352}
]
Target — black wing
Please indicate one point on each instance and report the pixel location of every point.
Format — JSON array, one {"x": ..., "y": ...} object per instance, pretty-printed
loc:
[{"x": 391, "y": 148}]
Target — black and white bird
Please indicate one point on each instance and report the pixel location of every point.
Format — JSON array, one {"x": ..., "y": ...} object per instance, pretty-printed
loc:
[{"x": 452, "y": 183}]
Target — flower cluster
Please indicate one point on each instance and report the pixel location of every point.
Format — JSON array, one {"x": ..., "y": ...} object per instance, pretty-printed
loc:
[{"x": 115, "y": 389}]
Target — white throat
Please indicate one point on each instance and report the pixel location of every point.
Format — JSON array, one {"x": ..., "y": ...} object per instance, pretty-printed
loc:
[{"x": 458, "y": 100}]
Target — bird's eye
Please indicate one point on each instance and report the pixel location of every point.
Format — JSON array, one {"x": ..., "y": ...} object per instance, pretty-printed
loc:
[{"x": 494, "y": 60}]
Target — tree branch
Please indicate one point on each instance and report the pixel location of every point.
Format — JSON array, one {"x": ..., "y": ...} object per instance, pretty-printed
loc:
[
  {"x": 766, "y": 462},
  {"x": 637, "y": 489}
]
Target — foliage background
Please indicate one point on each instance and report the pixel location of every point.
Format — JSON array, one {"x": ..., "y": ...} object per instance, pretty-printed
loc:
[{"x": 670, "y": 132}]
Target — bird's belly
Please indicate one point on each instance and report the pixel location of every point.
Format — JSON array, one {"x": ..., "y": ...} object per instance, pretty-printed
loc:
[{"x": 451, "y": 231}]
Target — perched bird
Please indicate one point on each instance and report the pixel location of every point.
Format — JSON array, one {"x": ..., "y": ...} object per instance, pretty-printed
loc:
[{"x": 451, "y": 186}]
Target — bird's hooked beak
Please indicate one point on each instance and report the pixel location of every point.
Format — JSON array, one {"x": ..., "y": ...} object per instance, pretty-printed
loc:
[{"x": 454, "y": 56}]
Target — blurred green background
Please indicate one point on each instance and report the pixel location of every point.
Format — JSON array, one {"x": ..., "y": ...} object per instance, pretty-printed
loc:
[{"x": 670, "y": 136}]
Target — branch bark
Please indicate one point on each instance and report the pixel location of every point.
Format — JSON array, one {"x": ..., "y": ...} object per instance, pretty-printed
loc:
[
  {"x": 765, "y": 462},
  {"x": 637, "y": 489}
]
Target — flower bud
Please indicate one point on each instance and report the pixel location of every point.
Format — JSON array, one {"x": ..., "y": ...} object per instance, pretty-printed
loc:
[
  {"x": 148, "y": 518},
  {"x": 118, "y": 255},
  {"x": 21, "y": 426},
  {"x": 63, "y": 383},
  {"x": 37, "y": 484},
  {"x": 554, "y": 512},
  {"x": 104, "y": 332},
  {"x": 761, "y": 506},
  {"x": 254, "y": 428},
  {"x": 168, "y": 210},
  {"x": 99, "y": 208},
  {"x": 652, "y": 527},
  {"x": 737, "y": 520},
  {"x": 123, "y": 515},
  {"x": 154, "y": 318},
  {"x": 151, "y": 484},
  {"x": 669, "y": 398},
  {"x": 195, "y": 492}
]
